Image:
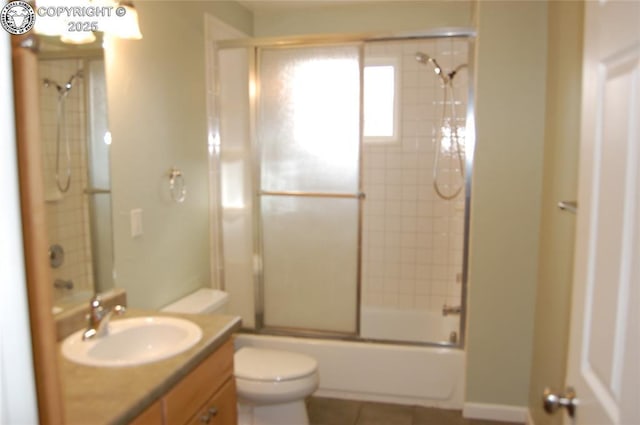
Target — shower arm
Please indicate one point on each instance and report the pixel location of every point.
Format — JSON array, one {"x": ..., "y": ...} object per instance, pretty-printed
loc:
[{"x": 455, "y": 71}]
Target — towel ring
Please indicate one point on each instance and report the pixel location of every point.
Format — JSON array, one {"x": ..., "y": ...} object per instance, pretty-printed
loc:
[{"x": 177, "y": 187}]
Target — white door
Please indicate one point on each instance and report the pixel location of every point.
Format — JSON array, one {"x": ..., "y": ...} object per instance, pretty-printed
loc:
[{"x": 604, "y": 352}]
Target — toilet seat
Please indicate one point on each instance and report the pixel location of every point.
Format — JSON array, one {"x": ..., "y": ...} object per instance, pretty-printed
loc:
[
  {"x": 263, "y": 392},
  {"x": 271, "y": 376},
  {"x": 258, "y": 364}
]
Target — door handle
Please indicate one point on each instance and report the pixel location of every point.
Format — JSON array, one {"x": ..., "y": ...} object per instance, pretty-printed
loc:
[{"x": 552, "y": 401}]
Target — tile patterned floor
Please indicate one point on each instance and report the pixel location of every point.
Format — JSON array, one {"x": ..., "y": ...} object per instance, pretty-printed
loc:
[{"x": 328, "y": 411}]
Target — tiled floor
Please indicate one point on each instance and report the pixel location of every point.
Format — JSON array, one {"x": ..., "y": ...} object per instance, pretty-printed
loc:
[{"x": 328, "y": 411}]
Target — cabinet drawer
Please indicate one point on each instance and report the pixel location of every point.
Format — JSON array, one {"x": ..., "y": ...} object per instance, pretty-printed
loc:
[
  {"x": 190, "y": 394},
  {"x": 221, "y": 409}
]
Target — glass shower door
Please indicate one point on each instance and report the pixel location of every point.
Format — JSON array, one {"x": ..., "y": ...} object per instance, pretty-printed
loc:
[{"x": 308, "y": 134}]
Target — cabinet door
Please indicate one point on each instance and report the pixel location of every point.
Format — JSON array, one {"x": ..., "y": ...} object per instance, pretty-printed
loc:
[
  {"x": 221, "y": 409},
  {"x": 151, "y": 416},
  {"x": 190, "y": 394}
]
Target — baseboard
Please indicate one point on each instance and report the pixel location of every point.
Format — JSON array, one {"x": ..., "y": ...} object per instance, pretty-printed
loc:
[
  {"x": 496, "y": 412},
  {"x": 388, "y": 398},
  {"x": 530, "y": 418}
]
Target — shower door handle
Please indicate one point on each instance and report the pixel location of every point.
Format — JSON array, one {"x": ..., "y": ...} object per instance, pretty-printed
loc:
[
  {"x": 97, "y": 191},
  {"x": 358, "y": 195}
]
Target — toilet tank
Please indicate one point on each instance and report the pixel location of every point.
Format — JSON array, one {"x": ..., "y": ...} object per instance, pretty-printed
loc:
[{"x": 202, "y": 301}]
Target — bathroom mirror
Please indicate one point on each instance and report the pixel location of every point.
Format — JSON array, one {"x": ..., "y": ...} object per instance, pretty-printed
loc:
[{"x": 75, "y": 145}]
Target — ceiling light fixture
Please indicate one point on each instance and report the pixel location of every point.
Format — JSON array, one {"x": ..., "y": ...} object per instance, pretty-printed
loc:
[{"x": 127, "y": 25}]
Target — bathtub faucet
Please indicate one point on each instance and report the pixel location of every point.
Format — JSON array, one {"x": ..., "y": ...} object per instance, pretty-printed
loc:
[
  {"x": 449, "y": 309},
  {"x": 63, "y": 284}
]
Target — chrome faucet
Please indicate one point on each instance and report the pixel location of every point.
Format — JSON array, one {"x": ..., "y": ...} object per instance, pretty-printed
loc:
[
  {"x": 449, "y": 309},
  {"x": 99, "y": 318}
]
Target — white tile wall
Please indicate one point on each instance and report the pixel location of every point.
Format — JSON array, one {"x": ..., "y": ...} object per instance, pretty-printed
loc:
[
  {"x": 412, "y": 239},
  {"x": 67, "y": 213}
]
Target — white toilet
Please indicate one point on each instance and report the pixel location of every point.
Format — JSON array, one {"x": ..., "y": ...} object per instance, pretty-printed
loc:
[{"x": 271, "y": 384}]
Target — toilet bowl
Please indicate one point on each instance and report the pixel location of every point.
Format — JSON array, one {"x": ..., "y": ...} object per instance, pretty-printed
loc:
[{"x": 271, "y": 384}]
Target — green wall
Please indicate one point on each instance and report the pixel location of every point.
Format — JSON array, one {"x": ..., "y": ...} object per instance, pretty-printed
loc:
[
  {"x": 505, "y": 208},
  {"x": 158, "y": 119},
  {"x": 364, "y": 17}
]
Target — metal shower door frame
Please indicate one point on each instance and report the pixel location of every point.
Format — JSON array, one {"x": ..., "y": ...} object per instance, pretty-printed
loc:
[{"x": 255, "y": 43}]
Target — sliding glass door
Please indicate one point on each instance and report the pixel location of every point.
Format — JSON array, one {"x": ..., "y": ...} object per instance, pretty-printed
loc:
[{"x": 308, "y": 139}]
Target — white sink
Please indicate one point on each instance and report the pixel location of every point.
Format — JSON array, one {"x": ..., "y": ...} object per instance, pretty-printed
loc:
[{"x": 134, "y": 341}]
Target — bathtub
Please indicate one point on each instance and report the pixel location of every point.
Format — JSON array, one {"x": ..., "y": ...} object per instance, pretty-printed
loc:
[
  {"x": 408, "y": 325},
  {"x": 402, "y": 374}
]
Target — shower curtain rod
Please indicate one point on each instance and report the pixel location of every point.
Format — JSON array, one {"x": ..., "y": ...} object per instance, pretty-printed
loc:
[{"x": 346, "y": 37}]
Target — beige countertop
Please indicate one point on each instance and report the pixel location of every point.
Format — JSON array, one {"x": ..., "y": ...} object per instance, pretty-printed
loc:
[{"x": 101, "y": 395}]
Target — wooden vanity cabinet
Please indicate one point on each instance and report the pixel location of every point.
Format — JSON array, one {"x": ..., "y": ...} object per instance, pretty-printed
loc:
[
  {"x": 152, "y": 415},
  {"x": 216, "y": 410},
  {"x": 206, "y": 396}
]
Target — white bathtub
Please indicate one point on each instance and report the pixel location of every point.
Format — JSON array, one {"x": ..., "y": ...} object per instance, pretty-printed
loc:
[
  {"x": 425, "y": 376},
  {"x": 407, "y": 325}
]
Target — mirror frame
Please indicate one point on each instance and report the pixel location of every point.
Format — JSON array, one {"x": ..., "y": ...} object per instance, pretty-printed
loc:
[{"x": 38, "y": 274}]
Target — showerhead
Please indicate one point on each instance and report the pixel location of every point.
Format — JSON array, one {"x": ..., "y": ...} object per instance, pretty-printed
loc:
[
  {"x": 422, "y": 57},
  {"x": 78, "y": 74},
  {"x": 425, "y": 59},
  {"x": 63, "y": 90}
]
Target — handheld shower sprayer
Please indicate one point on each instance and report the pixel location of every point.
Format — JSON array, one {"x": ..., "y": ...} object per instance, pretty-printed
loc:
[
  {"x": 448, "y": 142},
  {"x": 446, "y": 78},
  {"x": 61, "y": 130},
  {"x": 426, "y": 59}
]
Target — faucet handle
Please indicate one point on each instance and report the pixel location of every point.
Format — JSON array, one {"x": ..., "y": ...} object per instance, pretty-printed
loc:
[
  {"x": 95, "y": 301},
  {"x": 450, "y": 309},
  {"x": 95, "y": 309},
  {"x": 99, "y": 318}
]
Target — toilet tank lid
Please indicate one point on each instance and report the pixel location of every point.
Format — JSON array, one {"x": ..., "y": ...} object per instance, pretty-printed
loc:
[
  {"x": 204, "y": 300},
  {"x": 259, "y": 364}
]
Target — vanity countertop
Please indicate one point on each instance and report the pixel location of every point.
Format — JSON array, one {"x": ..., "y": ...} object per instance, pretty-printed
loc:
[{"x": 104, "y": 395}]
